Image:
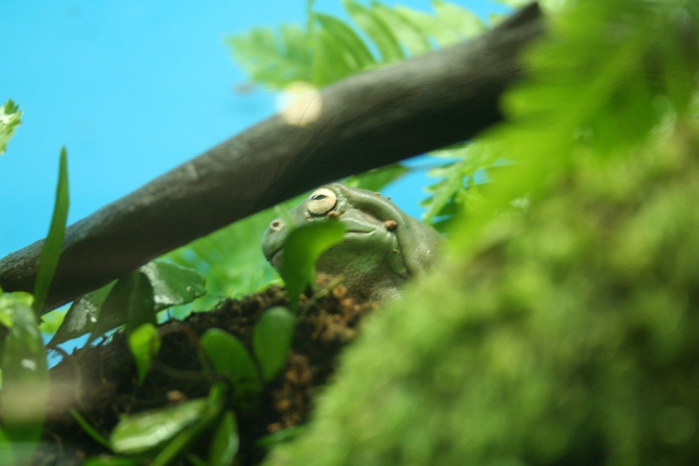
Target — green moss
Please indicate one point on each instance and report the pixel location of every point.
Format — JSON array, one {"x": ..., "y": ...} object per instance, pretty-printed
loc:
[{"x": 566, "y": 335}]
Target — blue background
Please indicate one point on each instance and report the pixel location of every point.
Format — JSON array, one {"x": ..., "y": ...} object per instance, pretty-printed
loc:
[{"x": 132, "y": 88}]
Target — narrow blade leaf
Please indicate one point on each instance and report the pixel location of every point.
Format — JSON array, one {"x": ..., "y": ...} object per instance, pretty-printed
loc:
[{"x": 51, "y": 252}]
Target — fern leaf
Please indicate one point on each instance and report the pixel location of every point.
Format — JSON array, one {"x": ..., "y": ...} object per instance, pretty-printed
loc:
[
  {"x": 274, "y": 61},
  {"x": 357, "y": 53},
  {"x": 459, "y": 19},
  {"x": 412, "y": 38},
  {"x": 382, "y": 36}
]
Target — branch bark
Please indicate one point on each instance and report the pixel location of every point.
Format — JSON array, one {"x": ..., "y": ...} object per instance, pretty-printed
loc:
[{"x": 365, "y": 121}]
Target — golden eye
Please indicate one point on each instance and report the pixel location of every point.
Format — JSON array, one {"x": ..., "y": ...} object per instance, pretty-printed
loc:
[{"x": 321, "y": 201}]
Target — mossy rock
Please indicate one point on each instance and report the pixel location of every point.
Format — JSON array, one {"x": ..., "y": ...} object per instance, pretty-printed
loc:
[{"x": 566, "y": 334}]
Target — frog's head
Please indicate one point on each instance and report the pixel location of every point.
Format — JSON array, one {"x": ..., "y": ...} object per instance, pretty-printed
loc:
[{"x": 382, "y": 246}]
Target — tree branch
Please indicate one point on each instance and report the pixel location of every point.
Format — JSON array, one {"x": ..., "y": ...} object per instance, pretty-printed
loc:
[{"x": 365, "y": 121}]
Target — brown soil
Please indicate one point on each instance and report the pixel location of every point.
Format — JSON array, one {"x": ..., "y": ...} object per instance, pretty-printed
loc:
[{"x": 100, "y": 381}]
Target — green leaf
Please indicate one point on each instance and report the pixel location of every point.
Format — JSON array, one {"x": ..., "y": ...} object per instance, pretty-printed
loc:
[
  {"x": 282, "y": 436},
  {"x": 52, "y": 321},
  {"x": 140, "y": 302},
  {"x": 10, "y": 119},
  {"x": 111, "y": 461},
  {"x": 180, "y": 444},
  {"x": 407, "y": 34},
  {"x": 144, "y": 343},
  {"x": 302, "y": 248},
  {"x": 274, "y": 60},
  {"x": 461, "y": 20},
  {"x": 459, "y": 181},
  {"x": 377, "y": 30},
  {"x": 130, "y": 301},
  {"x": 51, "y": 252},
  {"x": 173, "y": 284},
  {"x": 89, "y": 429},
  {"x": 224, "y": 444},
  {"x": 6, "y": 452},
  {"x": 107, "y": 308},
  {"x": 356, "y": 53},
  {"x": 429, "y": 25},
  {"x": 271, "y": 339},
  {"x": 149, "y": 430},
  {"x": 231, "y": 258},
  {"x": 25, "y": 372},
  {"x": 230, "y": 358},
  {"x": 82, "y": 315},
  {"x": 331, "y": 61},
  {"x": 375, "y": 180},
  {"x": 8, "y": 304}
]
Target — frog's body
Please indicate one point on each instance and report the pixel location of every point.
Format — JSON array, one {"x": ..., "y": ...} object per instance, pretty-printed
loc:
[{"x": 382, "y": 246}]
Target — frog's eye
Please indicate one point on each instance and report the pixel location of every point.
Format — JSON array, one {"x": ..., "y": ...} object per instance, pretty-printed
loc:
[{"x": 321, "y": 201}]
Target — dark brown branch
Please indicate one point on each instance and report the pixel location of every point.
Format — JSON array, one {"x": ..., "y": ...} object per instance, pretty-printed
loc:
[{"x": 366, "y": 121}]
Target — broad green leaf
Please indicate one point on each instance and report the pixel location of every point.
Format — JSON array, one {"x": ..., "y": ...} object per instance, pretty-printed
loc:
[
  {"x": 25, "y": 381},
  {"x": 144, "y": 343},
  {"x": 149, "y": 430},
  {"x": 377, "y": 30},
  {"x": 51, "y": 252},
  {"x": 224, "y": 444},
  {"x": 271, "y": 339},
  {"x": 82, "y": 315},
  {"x": 173, "y": 284},
  {"x": 10, "y": 119},
  {"x": 8, "y": 304},
  {"x": 130, "y": 302},
  {"x": 231, "y": 258},
  {"x": 181, "y": 443},
  {"x": 302, "y": 248},
  {"x": 140, "y": 302},
  {"x": 230, "y": 358},
  {"x": 106, "y": 308}
]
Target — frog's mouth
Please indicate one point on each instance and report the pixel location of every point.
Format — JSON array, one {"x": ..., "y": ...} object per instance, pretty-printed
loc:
[
  {"x": 366, "y": 225},
  {"x": 353, "y": 231}
]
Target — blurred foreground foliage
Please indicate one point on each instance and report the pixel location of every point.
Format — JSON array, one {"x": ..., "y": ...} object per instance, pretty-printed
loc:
[{"x": 563, "y": 332}]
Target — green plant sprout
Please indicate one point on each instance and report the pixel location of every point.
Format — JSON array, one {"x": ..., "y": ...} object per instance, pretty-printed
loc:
[{"x": 25, "y": 379}]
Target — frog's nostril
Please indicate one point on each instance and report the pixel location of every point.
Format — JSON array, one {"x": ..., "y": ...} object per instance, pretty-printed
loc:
[{"x": 276, "y": 224}]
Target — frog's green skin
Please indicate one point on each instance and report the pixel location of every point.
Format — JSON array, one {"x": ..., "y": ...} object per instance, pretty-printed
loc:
[{"x": 382, "y": 246}]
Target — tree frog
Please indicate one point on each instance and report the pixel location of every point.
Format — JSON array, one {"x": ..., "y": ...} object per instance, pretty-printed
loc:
[{"x": 382, "y": 247}]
